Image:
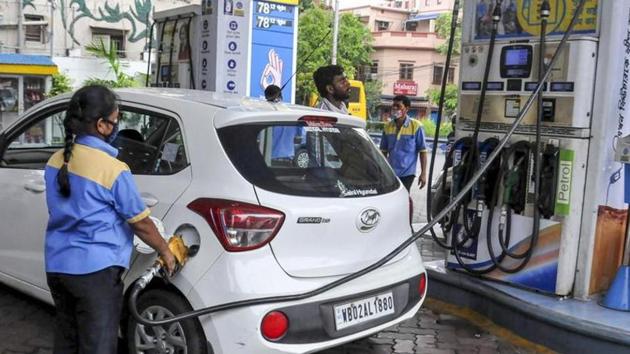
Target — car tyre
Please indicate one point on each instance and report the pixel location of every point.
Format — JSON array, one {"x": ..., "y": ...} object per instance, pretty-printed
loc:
[
  {"x": 301, "y": 159},
  {"x": 185, "y": 337}
]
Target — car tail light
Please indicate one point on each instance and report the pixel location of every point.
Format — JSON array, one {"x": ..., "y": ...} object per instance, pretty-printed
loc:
[
  {"x": 318, "y": 121},
  {"x": 274, "y": 325},
  {"x": 410, "y": 210},
  {"x": 239, "y": 226},
  {"x": 422, "y": 287}
]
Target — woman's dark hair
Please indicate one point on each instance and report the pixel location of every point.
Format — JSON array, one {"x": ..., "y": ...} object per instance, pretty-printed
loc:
[{"x": 86, "y": 106}]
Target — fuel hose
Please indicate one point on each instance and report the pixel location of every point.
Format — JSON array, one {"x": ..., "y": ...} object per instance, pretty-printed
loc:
[
  {"x": 526, "y": 255},
  {"x": 454, "y": 202},
  {"x": 472, "y": 161},
  {"x": 438, "y": 122}
]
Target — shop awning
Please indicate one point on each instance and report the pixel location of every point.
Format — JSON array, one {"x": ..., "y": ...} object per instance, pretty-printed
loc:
[
  {"x": 424, "y": 16},
  {"x": 23, "y": 64}
]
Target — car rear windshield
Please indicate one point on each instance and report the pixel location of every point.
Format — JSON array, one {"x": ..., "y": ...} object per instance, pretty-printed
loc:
[{"x": 316, "y": 161}]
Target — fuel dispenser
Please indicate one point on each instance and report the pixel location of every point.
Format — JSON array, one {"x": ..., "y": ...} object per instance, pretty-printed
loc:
[
  {"x": 522, "y": 222},
  {"x": 232, "y": 48}
]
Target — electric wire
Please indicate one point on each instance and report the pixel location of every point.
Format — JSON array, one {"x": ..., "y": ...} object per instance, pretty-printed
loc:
[{"x": 410, "y": 241}]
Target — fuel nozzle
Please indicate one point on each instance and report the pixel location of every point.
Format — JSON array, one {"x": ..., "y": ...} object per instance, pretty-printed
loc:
[
  {"x": 181, "y": 252},
  {"x": 496, "y": 14},
  {"x": 503, "y": 218},
  {"x": 480, "y": 207},
  {"x": 545, "y": 10}
]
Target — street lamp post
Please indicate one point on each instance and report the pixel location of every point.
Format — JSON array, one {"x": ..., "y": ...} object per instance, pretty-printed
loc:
[{"x": 335, "y": 33}]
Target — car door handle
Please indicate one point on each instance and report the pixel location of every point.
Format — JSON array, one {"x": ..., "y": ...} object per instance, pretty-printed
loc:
[
  {"x": 35, "y": 186},
  {"x": 149, "y": 199}
]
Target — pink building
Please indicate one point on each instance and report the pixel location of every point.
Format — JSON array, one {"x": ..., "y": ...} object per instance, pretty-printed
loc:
[{"x": 405, "y": 59}]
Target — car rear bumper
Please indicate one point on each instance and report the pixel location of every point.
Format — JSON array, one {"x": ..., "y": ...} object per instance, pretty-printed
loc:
[
  {"x": 238, "y": 331},
  {"x": 315, "y": 322}
]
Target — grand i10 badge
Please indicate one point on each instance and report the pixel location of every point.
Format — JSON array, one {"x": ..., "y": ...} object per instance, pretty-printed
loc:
[{"x": 368, "y": 219}]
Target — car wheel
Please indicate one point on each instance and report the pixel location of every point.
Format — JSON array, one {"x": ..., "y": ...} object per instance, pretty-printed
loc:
[
  {"x": 184, "y": 337},
  {"x": 301, "y": 159}
]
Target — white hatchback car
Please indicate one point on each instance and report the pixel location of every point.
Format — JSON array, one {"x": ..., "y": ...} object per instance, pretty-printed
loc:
[{"x": 224, "y": 174}]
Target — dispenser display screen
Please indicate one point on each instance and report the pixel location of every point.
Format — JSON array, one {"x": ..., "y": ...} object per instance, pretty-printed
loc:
[
  {"x": 471, "y": 85},
  {"x": 517, "y": 56},
  {"x": 516, "y": 61}
]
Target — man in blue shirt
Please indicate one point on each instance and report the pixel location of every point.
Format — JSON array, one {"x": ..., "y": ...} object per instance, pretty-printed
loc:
[
  {"x": 402, "y": 142},
  {"x": 94, "y": 210}
]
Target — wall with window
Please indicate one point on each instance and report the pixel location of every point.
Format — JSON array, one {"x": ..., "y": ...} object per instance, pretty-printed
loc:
[
  {"x": 435, "y": 5},
  {"x": 381, "y": 19},
  {"x": 418, "y": 65},
  {"x": 78, "y": 23}
]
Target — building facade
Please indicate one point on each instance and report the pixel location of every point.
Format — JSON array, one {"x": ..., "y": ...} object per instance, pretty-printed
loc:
[
  {"x": 405, "y": 57},
  {"x": 32, "y": 30}
]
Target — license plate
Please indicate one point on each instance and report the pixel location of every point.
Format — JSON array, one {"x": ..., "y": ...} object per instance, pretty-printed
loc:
[{"x": 359, "y": 311}]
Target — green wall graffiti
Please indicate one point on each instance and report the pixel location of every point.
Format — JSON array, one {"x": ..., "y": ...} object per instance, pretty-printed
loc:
[
  {"x": 30, "y": 3},
  {"x": 138, "y": 14}
]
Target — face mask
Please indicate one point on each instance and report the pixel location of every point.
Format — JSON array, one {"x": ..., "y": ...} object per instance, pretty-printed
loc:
[
  {"x": 110, "y": 139},
  {"x": 397, "y": 114}
]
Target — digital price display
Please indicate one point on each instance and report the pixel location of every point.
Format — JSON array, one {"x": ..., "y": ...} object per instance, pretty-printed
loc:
[
  {"x": 471, "y": 85},
  {"x": 516, "y": 61},
  {"x": 494, "y": 86},
  {"x": 531, "y": 86},
  {"x": 518, "y": 56},
  {"x": 562, "y": 86}
]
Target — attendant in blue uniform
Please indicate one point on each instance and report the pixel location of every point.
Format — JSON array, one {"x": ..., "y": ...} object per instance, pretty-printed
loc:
[
  {"x": 94, "y": 210},
  {"x": 402, "y": 143}
]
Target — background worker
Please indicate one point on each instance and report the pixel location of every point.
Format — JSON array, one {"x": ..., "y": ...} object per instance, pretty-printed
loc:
[
  {"x": 333, "y": 87},
  {"x": 94, "y": 209},
  {"x": 403, "y": 141}
]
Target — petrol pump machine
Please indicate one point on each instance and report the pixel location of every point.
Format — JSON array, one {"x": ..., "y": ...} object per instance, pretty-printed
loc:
[
  {"x": 532, "y": 219},
  {"x": 232, "y": 47}
]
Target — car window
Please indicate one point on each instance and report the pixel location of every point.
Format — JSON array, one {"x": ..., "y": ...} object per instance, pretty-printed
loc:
[
  {"x": 293, "y": 159},
  {"x": 34, "y": 144},
  {"x": 150, "y": 143},
  {"x": 354, "y": 95}
]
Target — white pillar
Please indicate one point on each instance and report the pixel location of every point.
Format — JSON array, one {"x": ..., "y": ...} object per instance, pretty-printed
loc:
[{"x": 335, "y": 33}]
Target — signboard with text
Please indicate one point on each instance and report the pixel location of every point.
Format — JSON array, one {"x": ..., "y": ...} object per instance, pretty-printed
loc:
[
  {"x": 232, "y": 43},
  {"x": 223, "y": 44},
  {"x": 407, "y": 88},
  {"x": 273, "y": 47}
]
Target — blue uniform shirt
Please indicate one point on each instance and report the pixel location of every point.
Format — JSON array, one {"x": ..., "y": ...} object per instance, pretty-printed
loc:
[
  {"x": 90, "y": 231},
  {"x": 283, "y": 141},
  {"x": 403, "y": 146}
]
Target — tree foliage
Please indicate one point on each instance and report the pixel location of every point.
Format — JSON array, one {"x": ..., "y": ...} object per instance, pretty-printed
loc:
[
  {"x": 429, "y": 128},
  {"x": 315, "y": 39},
  {"x": 443, "y": 30},
  {"x": 373, "y": 91},
  {"x": 61, "y": 83},
  {"x": 450, "y": 101},
  {"x": 305, "y": 5},
  {"x": 110, "y": 56}
]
